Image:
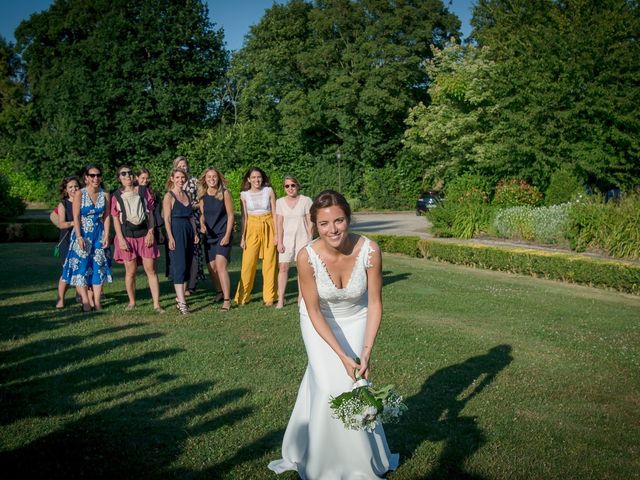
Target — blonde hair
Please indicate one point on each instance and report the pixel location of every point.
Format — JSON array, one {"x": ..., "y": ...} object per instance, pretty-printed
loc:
[
  {"x": 179, "y": 159},
  {"x": 173, "y": 172},
  {"x": 203, "y": 187},
  {"x": 292, "y": 178}
]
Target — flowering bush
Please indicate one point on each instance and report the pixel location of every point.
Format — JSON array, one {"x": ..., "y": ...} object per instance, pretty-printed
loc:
[
  {"x": 540, "y": 224},
  {"x": 513, "y": 192}
]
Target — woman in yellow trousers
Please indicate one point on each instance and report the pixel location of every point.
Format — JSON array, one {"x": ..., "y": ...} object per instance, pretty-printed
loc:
[{"x": 258, "y": 239}]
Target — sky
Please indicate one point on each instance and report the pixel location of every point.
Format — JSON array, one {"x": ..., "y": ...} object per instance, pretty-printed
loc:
[{"x": 235, "y": 17}]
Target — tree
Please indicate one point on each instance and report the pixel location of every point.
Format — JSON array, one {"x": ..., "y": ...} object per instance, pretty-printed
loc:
[
  {"x": 340, "y": 74},
  {"x": 113, "y": 81},
  {"x": 568, "y": 79},
  {"x": 551, "y": 85},
  {"x": 13, "y": 110}
]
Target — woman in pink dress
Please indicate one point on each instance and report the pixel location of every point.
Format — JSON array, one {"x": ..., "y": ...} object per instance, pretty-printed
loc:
[
  {"x": 135, "y": 243},
  {"x": 293, "y": 228}
]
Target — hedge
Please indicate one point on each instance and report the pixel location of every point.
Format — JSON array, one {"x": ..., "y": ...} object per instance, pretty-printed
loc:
[
  {"x": 584, "y": 270},
  {"x": 28, "y": 232}
]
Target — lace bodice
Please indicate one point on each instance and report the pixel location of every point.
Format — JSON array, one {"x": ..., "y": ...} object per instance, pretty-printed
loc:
[
  {"x": 258, "y": 203},
  {"x": 355, "y": 288}
]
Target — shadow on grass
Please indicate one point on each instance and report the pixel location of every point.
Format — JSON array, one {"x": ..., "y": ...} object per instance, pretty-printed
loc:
[
  {"x": 102, "y": 406},
  {"x": 435, "y": 414},
  {"x": 389, "y": 277}
]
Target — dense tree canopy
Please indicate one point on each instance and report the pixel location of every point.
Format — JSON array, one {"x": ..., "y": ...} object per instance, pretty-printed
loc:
[
  {"x": 13, "y": 111},
  {"x": 553, "y": 84},
  {"x": 115, "y": 81},
  {"x": 340, "y": 74}
]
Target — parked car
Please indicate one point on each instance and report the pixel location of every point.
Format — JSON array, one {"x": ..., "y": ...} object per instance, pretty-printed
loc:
[{"x": 427, "y": 201}]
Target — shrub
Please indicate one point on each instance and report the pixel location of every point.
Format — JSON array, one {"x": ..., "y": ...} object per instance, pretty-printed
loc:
[
  {"x": 513, "y": 192},
  {"x": 596, "y": 272},
  {"x": 540, "y": 224},
  {"x": 21, "y": 185},
  {"x": 28, "y": 232},
  {"x": 624, "y": 239},
  {"x": 387, "y": 188},
  {"x": 588, "y": 224},
  {"x": 564, "y": 187},
  {"x": 10, "y": 204},
  {"x": 465, "y": 210}
]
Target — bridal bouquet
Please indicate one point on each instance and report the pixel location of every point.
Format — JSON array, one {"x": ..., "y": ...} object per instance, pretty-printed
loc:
[{"x": 364, "y": 407}]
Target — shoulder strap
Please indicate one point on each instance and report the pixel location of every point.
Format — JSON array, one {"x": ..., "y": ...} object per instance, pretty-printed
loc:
[
  {"x": 142, "y": 190},
  {"x": 123, "y": 211}
]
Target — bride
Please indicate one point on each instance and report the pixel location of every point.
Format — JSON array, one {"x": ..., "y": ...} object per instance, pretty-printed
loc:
[{"x": 340, "y": 312}]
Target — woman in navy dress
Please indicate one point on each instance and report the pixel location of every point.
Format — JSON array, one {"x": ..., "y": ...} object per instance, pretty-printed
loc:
[
  {"x": 64, "y": 221},
  {"x": 181, "y": 234},
  {"x": 87, "y": 265},
  {"x": 216, "y": 222}
]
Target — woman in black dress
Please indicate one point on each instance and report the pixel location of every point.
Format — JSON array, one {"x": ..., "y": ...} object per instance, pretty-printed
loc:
[
  {"x": 181, "y": 234},
  {"x": 216, "y": 222},
  {"x": 64, "y": 217}
]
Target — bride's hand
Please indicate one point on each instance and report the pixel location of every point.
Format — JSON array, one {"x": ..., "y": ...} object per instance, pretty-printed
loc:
[
  {"x": 364, "y": 365},
  {"x": 351, "y": 366}
]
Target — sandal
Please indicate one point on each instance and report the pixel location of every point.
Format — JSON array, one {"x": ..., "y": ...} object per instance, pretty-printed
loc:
[
  {"x": 227, "y": 302},
  {"x": 218, "y": 297},
  {"x": 159, "y": 310},
  {"x": 182, "y": 307}
]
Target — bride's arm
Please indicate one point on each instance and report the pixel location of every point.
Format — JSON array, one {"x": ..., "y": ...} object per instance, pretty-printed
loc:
[
  {"x": 374, "y": 310},
  {"x": 312, "y": 302}
]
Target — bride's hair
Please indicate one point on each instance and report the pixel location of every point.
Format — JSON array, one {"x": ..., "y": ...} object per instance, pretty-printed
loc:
[{"x": 326, "y": 199}]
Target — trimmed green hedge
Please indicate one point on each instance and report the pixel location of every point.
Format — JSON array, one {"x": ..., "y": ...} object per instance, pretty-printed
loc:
[
  {"x": 28, "y": 232},
  {"x": 584, "y": 270}
]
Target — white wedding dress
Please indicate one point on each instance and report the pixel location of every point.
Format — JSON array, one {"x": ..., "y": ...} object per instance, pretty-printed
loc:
[{"x": 316, "y": 445}]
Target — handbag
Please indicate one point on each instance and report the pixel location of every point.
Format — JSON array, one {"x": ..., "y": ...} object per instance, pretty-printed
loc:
[{"x": 56, "y": 249}]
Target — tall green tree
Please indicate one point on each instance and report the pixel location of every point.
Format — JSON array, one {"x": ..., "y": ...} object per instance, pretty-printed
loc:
[
  {"x": 114, "y": 81},
  {"x": 340, "y": 75},
  {"x": 13, "y": 109},
  {"x": 552, "y": 85}
]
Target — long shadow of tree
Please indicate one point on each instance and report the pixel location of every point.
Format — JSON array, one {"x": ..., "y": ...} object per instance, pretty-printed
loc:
[
  {"x": 127, "y": 417},
  {"x": 435, "y": 413}
]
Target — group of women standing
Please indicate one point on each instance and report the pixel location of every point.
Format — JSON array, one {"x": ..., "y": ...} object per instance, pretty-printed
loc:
[
  {"x": 194, "y": 211},
  {"x": 340, "y": 280}
]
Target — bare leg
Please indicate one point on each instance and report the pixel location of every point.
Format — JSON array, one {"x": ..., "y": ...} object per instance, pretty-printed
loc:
[
  {"x": 62, "y": 289},
  {"x": 130, "y": 268},
  {"x": 97, "y": 297},
  {"x": 223, "y": 280},
  {"x": 92, "y": 301},
  {"x": 84, "y": 295},
  {"x": 149, "y": 265},
  {"x": 213, "y": 273},
  {"x": 283, "y": 275}
]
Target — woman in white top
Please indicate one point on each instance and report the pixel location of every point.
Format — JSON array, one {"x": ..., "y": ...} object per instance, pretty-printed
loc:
[
  {"x": 259, "y": 240},
  {"x": 293, "y": 225}
]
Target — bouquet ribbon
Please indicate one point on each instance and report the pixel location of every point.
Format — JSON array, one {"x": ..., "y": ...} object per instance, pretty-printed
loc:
[{"x": 361, "y": 382}]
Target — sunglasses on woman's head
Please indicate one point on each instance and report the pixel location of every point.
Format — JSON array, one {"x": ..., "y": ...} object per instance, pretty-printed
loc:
[
  {"x": 292, "y": 185},
  {"x": 94, "y": 175},
  {"x": 126, "y": 173}
]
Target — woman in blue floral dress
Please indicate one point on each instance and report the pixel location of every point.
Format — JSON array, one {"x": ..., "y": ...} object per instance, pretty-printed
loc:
[{"x": 87, "y": 265}]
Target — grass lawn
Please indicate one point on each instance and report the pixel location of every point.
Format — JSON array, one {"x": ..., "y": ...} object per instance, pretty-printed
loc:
[{"x": 506, "y": 377}]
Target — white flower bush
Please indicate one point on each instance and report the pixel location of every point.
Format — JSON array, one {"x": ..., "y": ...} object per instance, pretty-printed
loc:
[{"x": 541, "y": 224}]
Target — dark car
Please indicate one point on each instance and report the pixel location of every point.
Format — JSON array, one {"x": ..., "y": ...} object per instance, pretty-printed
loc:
[{"x": 427, "y": 201}]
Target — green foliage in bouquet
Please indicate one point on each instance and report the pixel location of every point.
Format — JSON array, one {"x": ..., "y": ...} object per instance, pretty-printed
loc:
[{"x": 364, "y": 407}]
